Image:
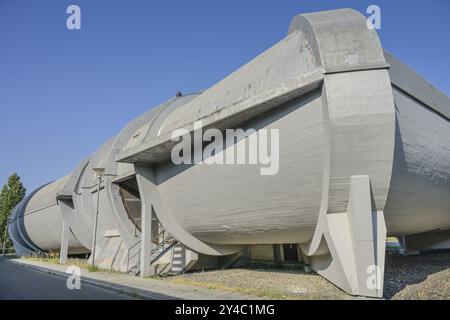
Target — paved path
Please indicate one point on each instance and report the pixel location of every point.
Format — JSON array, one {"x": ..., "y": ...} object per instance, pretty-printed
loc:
[
  {"x": 20, "y": 282},
  {"x": 112, "y": 282}
]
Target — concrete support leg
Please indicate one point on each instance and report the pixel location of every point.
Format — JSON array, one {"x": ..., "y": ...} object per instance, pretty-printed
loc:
[
  {"x": 142, "y": 175},
  {"x": 240, "y": 258},
  {"x": 64, "y": 233},
  {"x": 426, "y": 241},
  {"x": 277, "y": 255},
  {"x": 356, "y": 242},
  {"x": 64, "y": 242},
  {"x": 405, "y": 249}
]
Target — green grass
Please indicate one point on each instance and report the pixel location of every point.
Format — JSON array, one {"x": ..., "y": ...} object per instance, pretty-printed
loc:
[
  {"x": 92, "y": 268},
  {"x": 54, "y": 259}
]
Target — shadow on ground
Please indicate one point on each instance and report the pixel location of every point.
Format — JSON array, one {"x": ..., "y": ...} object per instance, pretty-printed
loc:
[
  {"x": 426, "y": 276},
  {"x": 404, "y": 271}
]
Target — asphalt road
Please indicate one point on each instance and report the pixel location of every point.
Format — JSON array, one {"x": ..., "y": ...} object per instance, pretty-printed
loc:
[{"x": 18, "y": 282}]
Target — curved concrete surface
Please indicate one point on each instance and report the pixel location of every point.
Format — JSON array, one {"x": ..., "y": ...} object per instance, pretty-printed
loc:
[{"x": 364, "y": 153}]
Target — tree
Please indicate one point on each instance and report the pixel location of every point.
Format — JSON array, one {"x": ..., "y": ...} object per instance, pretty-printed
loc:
[{"x": 12, "y": 193}]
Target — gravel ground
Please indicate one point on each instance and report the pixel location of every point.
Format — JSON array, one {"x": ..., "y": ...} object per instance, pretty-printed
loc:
[
  {"x": 426, "y": 276},
  {"x": 413, "y": 277}
]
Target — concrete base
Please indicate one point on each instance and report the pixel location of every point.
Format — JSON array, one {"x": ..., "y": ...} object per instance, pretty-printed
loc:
[
  {"x": 426, "y": 241},
  {"x": 356, "y": 244}
]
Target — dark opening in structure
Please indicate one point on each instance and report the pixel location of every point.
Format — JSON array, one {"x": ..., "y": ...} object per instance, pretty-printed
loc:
[
  {"x": 290, "y": 252},
  {"x": 129, "y": 193}
]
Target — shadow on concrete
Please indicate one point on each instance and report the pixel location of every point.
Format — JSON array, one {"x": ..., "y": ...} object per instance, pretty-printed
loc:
[{"x": 401, "y": 271}]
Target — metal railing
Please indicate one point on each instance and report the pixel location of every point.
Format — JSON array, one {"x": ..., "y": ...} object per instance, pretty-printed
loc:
[
  {"x": 134, "y": 255},
  {"x": 162, "y": 243}
]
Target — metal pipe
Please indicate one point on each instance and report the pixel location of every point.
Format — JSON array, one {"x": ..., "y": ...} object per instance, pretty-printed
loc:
[{"x": 94, "y": 238}]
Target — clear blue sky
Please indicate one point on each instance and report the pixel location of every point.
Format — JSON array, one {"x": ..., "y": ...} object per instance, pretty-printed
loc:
[{"x": 64, "y": 93}]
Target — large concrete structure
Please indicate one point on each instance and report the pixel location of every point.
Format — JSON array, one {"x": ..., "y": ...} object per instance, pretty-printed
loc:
[{"x": 364, "y": 153}]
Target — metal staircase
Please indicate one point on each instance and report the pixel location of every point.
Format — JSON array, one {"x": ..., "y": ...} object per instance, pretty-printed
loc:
[
  {"x": 178, "y": 258},
  {"x": 135, "y": 269},
  {"x": 162, "y": 243}
]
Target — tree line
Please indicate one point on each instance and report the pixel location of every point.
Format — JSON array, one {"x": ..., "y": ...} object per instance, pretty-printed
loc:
[{"x": 12, "y": 193}]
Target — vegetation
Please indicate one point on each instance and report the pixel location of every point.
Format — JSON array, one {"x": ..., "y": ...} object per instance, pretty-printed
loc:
[
  {"x": 53, "y": 258},
  {"x": 92, "y": 268},
  {"x": 11, "y": 194}
]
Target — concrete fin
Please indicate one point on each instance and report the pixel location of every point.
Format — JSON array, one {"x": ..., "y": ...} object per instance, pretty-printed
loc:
[{"x": 356, "y": 243}]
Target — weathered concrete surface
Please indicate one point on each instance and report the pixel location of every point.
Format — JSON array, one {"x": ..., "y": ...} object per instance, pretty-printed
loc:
[
  {"x": 418, "y": 200},
  {"x": 351, "y": 118}
]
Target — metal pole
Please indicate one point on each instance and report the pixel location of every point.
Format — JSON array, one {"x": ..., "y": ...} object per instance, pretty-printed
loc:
[
  {"x": 94, "y": 238},
  {"x": 4, "y": 238}
]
